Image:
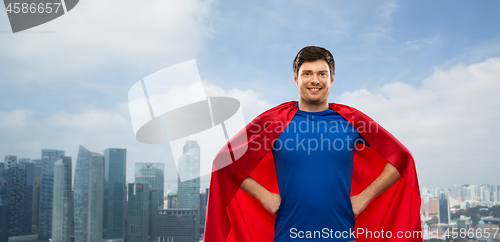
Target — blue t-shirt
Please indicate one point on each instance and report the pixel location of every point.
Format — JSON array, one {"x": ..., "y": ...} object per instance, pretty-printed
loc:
[{"x": 314, "y": 160}]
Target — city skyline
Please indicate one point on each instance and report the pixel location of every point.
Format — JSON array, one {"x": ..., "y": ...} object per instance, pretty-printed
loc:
[
  {"x": 92, "y": 188},
  {"x": 172, "y": 180}
]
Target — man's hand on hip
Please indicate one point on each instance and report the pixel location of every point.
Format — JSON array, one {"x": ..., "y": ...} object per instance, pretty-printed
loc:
[
  {"x": 359, "y": 204},
  {"x": 271, "y": 202},
  {"x": 386, "y": 179}
]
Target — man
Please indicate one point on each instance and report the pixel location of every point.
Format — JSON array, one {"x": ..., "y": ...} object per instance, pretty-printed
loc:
[{"x": 306, "y": 188}]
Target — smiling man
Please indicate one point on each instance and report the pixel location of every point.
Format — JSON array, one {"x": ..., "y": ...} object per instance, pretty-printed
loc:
[{"x": 311, "y": 168}]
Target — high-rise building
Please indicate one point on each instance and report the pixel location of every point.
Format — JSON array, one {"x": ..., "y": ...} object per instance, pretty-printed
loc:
[
  {"x": 21, "y": 197},
  {"x": 115, "y": 194},
  {"x": 62, "y": 212},
  {"x": 36, "y": 195},
  {"x": 455, "y": 191},
  {"x": 444, "y": 209},
  {"x": 10, "y": 161},
  {"x": 5, "y": 180},
  {"x": 179, "y": 225},
  {"x": 153, "y": 174},
  {"x": 153, "y": 209},
  {"x": 203, "y": 209},
  {"x": 31, "y": 173},
  {"x": 433, "y": 207},
  {"x": 486, "y": 196},
  {"x": 475, "y": 192},
  {"x": 44, "y": 225},
  {"x": 88, "y": 196},
  {"x": 467, "y": 193},
  {"x": 138, "y": 212},
  {"x": 188, "y": 192}
]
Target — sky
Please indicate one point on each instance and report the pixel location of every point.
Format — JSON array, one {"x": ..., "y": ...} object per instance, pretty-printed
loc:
[{"x": 428, "y": 71}]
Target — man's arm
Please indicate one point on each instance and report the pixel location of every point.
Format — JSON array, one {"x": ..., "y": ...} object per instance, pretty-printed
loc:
[
  {"x": 387, "y": 178},
  {"x": 270, "y": 201}
]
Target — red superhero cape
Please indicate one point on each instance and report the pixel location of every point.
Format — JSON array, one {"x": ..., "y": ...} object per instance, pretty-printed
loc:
[{"x": 234, "y": 215}]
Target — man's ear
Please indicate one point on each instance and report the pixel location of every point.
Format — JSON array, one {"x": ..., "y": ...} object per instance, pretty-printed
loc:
[
  {"x": 331, "y": 82},
  {"x": 295, "y": 80}
]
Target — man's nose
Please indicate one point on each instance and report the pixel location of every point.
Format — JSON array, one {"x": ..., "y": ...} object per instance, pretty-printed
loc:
[{"x": 315, "y": 79}]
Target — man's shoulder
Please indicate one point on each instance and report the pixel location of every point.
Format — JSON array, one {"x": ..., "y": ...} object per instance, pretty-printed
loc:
[
  {"x": 344, "y": 109},
  {"x": 341, "y": 106}
]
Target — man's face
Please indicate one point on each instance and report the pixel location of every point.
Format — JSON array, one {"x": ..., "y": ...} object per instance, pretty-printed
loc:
[{"x": 314, "y": 82}]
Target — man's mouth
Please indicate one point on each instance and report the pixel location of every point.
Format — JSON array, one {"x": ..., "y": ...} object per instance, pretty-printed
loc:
[{"x": 314, "y": 89}]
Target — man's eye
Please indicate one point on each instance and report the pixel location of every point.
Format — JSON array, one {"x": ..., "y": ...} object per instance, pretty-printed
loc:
[
  {"x": 322, "y": 74},
  {"x": 306, "y": 74}
]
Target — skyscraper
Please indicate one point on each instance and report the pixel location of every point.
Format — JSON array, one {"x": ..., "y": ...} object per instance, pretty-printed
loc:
[
  {"x": 88, "y": 196},
  {"x": 153, "y": 174},
  {"x": 466, "y": 192},
  {"x": 5, "y": 175},
  {"x": 30, "y": 172},
  {"x": 444, "y": 209},
  {"x": 476, "y": 193},
  {"x": 36, "y": 195},
  {"x": 21, "y": 197},
  {"x": 138, "y": 212},
  {"x": 49, "y": 157},
  {"x": 115, "y": 193},
  {"x": 203, "y": 209},
  {"x": 188, "y": 192},
  {"x": 62, "y": 212},
  {"x": 10, "y": 161},
  {"x": 153, "y": 209}
]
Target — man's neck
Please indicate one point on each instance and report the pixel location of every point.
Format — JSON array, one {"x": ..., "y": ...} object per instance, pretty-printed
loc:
[{"x": 313, "y": 107}]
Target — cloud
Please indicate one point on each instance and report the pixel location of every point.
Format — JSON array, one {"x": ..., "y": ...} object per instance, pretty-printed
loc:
[
  {"x": 253, "y": 103},
  {"x": 99, "y": 35},
  {"x": 449, "y": 122},
  {"x": 415, "y": 44},
  {"x": 387, "y": 10},
  {"x": 16, "y": 119}
]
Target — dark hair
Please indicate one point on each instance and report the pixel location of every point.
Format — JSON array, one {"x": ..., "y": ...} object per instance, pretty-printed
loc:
[{"x": 313, "y": 53}]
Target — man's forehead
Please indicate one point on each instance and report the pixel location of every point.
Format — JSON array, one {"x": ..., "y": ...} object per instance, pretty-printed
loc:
[{"x": 314, "y": 66}]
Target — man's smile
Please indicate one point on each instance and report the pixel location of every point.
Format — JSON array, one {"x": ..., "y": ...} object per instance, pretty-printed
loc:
[{"x": 314, "y": 89}]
